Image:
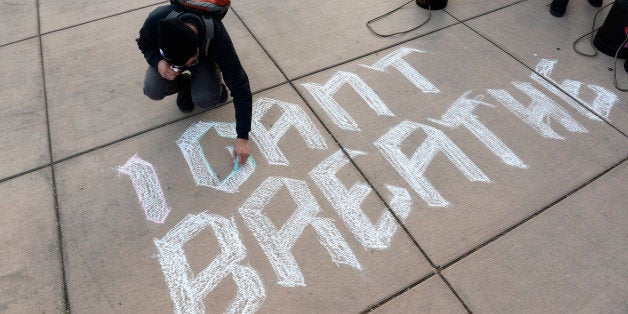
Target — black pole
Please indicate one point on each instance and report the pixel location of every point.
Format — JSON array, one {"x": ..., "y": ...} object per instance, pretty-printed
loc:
[
  {"x": 432, "y": 4},
  {"x": 612, "y": 33}
]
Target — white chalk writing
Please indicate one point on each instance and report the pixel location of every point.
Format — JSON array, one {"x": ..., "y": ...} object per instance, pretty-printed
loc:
[
  {"x": 267, "y": 140},
  {"x": 347, "y": 203},
  {"x": 395, "y": 59},
  {"x": 323, "y": 94},
  {"x": 188, "y": 291},
  {"x": 277, "y": 244},
  {"x": 461, "y": 114},
  {"x": 412, "y": 169},
  {"x": 602, "y": 104},
  {"x": 202, "y": 172},
  {"x": 147, "y": 187},
  {"x": 541, "y": 109},
  {"x": 537, "y": 78}
]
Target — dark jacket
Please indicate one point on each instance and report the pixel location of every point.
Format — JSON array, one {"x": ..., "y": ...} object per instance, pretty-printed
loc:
[{"x": 221, "y": 51}]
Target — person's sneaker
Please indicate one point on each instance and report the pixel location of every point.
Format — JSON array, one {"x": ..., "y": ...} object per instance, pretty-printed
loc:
[
  {"x": 184, "y": 96},
  {"x": 558, "y": 7},
  {"x": 596, "y": 3}
]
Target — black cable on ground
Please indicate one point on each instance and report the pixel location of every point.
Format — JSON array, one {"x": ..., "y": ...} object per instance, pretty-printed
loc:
[
  {"x": 593, "y": 30},
  {"x": 391, "y": 12}
]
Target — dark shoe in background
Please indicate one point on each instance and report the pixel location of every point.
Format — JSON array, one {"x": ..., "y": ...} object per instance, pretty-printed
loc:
[
  {"x": 184, "y": 96},
  {"x": 596, "y": 3},
  {"x": 558, "y": 7}
]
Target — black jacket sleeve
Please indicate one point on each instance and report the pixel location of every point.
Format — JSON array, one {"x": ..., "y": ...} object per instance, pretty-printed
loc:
[
  {"x": 147, "y": 42},
  {"x": 223, "y": 52}
]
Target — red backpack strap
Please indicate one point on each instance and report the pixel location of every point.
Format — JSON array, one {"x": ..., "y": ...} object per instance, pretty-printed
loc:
[{"x": 211, "y": 6}]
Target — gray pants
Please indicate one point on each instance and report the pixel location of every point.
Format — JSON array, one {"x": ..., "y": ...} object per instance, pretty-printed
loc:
[{"x": 206, "y": 84}]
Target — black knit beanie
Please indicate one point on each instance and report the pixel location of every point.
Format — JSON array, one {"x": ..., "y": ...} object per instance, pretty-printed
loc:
[{"x": 177, "y": 42}]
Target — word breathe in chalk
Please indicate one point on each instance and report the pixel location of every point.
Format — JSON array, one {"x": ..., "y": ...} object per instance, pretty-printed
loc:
[
  {"x": 347, "y": 202},
  {"x": 412, "y": 169},
  {"x": 276, "y": 244},
  {"x": 461, "y": 114},
  {"x": 188, "y": 290}
]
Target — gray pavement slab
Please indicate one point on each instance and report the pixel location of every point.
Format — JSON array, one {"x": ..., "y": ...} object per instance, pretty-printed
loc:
[
  {"x": 18, "y": 20},
  {"x": 59, "y": 14},
  {"x": 482, "y": 168},
  {"x": 570, "y": 258},
  {"x": 23, "y": 131},
  {"x": 30, "y": 272},
  {"x": 113, "y": 260},
  {"x": 466, "y": 9},
  {"x": 306, "y": 36},
  {"x": 94, "y": 79},
  {"x": 430, "y": 296},
  {"x": 550, "y": 53}
]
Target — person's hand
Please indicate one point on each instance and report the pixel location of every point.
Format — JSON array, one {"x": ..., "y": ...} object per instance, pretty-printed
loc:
[
  {"x": 242, "y": 151},
  {"x": 164, "y": 69}
]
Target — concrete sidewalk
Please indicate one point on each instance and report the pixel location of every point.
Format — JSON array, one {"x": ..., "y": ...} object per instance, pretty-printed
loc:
[{"x": 477, "y": 164}]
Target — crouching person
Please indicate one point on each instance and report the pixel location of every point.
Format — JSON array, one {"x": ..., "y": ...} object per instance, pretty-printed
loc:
[{"x": 193, "y": 56}]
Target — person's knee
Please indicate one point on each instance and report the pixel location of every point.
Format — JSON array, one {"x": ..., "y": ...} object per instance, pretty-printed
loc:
[
  {"x": 155, "y": 87},
  {"x": 206, "y": 101},
  {"x": 154, "y": 95}
]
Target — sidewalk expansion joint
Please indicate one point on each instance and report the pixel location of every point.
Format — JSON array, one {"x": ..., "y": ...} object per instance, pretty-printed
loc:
[
  {"x": 13, "y": 176},
  {"x": 100, "y": 18},
  {"x": 451, "y": 288},
  {"x": 414, "y": 284},
  {"x": 66, "y": 299},
  {"x": 398, "y": 293},
  {"x": 18, "y": 41}
]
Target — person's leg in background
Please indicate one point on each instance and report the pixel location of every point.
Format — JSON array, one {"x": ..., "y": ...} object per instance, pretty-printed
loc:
[
  {"x": 208, "y": 90},
  {"x": 558, "y": 7}
]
